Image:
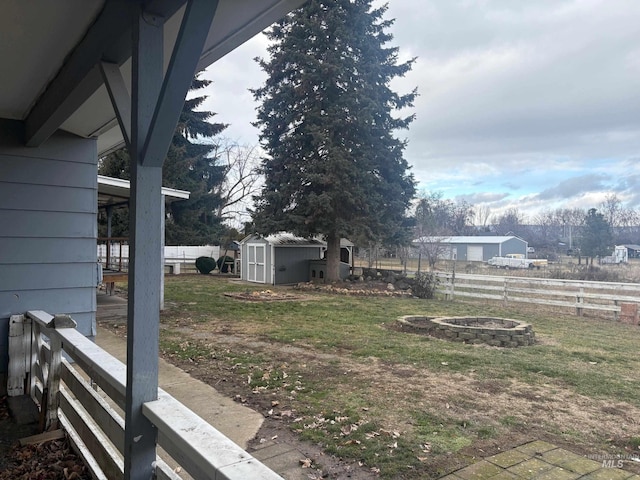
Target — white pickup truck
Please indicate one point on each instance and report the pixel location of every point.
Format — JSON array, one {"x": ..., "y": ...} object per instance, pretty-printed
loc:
[{"x": 516, "y": 260}]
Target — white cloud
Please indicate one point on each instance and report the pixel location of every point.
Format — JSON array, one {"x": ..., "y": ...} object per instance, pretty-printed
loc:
[{"x": 520, "y": 102}]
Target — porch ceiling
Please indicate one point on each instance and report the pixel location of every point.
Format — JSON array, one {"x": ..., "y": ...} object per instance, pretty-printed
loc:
[{"x": 50, "y": 54}]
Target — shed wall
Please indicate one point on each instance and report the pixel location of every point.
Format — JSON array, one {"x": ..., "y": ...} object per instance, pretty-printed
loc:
[
  {"x": 291, "y": 264},
  {"x": 48, "y": 228}
]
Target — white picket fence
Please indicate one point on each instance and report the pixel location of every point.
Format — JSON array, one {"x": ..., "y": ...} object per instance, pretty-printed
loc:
[
  {"x": 578, "y": 295},
  {"x": 69, "y": 400}
]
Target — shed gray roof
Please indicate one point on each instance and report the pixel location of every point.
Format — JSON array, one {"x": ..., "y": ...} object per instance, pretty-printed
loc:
[
  {"x": 284, "y": 239},
  {"x": 467, "y": 239}
]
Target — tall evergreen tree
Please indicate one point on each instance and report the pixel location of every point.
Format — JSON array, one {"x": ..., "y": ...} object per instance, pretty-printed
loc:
[
  {"x": 334, "y": 166},
  {"x": 596, "y": 239},
  {"x": 189, "y": 166}
]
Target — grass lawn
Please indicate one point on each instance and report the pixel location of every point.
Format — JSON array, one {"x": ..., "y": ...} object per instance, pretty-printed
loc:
[{"x": 336, "y": 370}]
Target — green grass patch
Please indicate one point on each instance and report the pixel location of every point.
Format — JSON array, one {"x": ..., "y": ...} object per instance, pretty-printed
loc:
[{"x": 592, "y": 357}]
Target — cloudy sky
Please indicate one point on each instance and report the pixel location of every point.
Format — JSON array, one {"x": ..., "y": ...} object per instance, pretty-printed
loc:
[{"x": 530, "y": 104}]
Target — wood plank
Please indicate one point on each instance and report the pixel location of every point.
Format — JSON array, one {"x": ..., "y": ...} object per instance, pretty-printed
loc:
[
  {"x": 42, "y": 437},
  {"x": 81, "y": 449},
  {"x": 107, "y": 371},
  {"x": 53, "y": 380},
  {"x": 202, "y": 450},
  {"x": 111, "y": 423},
  {"x": 101, "y": 449},
  {"x": 164, "y": 471},
  {"x": 18, "y": 356}
]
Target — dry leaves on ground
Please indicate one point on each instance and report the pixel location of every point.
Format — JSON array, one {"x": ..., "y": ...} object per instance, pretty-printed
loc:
[{"x": 53, "y": 460}]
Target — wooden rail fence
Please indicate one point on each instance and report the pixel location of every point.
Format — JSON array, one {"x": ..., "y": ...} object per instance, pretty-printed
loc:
[
  {"x": 68, "y": 399},
  {"x": 577, "y": 295}
]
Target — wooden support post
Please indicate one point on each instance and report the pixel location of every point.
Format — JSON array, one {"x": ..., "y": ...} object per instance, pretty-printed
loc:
[
  {"x": 40, "y": 368},
  {"x": 143, "y": 315},
  {"x": 157, "y": 98},
  {"x": 19, "y": 355},
  {"x": 53, "y": 383}
]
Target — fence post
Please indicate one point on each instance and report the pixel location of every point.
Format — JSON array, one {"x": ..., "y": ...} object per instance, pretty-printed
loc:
[
  {"x": 579, "y": 301},
  {"x": 55, "y": 363},
  {"x": 19, "y": 355},
  {"x": 449, "y": 292},
  {"x": 505, "y": 291}
]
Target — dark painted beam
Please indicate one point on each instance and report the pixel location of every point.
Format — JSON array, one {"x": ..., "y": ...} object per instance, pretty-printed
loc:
[
  {"x": 120, "y": 98},
  {"x": 194, "y": 29}
]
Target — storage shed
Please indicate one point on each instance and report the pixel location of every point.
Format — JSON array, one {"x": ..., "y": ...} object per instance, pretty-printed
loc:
[
  {"x": 283, "y": 258},
  {"x": 475, "y": 249},
  {"x": 278, "y": 259}
]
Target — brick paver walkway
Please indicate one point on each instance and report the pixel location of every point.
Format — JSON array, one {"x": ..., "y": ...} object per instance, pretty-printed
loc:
[{"x": 544, "y": 461}]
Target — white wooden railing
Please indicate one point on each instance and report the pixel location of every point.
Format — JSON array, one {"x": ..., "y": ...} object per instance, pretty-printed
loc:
[
  {"x": 68, "y": 397},
  {"x": 578, "y": 295}
]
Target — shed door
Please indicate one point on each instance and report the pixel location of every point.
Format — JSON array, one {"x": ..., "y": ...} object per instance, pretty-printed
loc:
[
  {"x": 474, "y": 253},
  {"x": 256, "y": 263}
]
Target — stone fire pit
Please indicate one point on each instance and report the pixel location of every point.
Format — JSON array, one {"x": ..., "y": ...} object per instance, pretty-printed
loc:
[{"x": 496, "y": 332}]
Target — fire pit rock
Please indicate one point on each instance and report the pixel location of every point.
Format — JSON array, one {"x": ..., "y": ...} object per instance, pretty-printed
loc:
[{"x": 496, "y": 332}]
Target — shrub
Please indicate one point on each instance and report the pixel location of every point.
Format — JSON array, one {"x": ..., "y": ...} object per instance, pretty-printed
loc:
[
  {"x": 424, "y": 285},
  {"x": 225, "y": 264},
  {"x": 205, "y": 265}
]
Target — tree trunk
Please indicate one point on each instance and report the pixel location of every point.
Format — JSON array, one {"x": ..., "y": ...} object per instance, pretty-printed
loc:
[{"x": 333, "y": 257}]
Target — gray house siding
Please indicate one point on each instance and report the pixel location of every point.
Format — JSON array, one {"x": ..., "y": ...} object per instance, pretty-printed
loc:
[
  {"x": 291, "y": 264},
  {"x": 48, "y": 229}
]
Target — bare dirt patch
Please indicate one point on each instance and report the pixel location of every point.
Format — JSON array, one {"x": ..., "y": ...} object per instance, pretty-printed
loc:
[{"x": 265, "y": 296}]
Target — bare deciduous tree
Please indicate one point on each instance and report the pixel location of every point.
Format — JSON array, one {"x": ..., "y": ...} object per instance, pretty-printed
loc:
[
  {"x": 242, "y": 181},
  {"x": 482, "y": 215}
]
